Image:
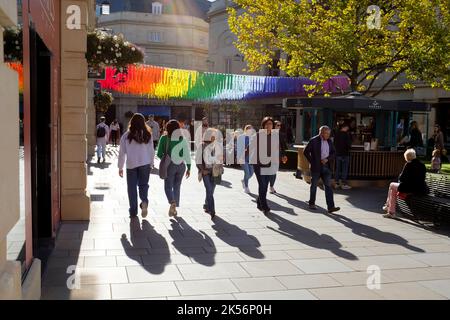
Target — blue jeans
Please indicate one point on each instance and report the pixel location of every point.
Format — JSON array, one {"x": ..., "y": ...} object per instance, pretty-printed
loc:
[
  {"x": 325, "y": 174},
  {"x": 248, "y": 172},
  {"x": 263, "y": 185},
  {"x": 101, "y": 148},
  {"x": 172, "y": 184},
  {"x": 210, "y": 186},
  {"x": 272, "y": 180},
  {"x": 137, "y": 177},
  {"x": 342, "y": 163}
]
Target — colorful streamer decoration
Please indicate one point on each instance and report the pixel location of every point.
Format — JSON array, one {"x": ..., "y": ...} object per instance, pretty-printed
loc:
[
  {"x": 18, "y": 67},
  {"x": 167, "y": 83}
]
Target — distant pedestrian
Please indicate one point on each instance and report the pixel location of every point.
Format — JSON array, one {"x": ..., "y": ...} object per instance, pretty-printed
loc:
[
  {"x": 283, "y": 147},
  {"x": 243, "y": 155},
  {"x": 169, "y": 143},
  {"x": 210, "y": 168},
  {"x": 319, "y": 152},
  {"x": 115, "y": 132},
  {"x": 415, "y": 136},
  {"x": 136, "y": 147},
  {"x": 436, "y": 162},
  {"x": 102, "y": 132},
  {"x": 343, "y": 145},
  {"x": 438, "y": 137},
  {"x": 155, "y": 130}
]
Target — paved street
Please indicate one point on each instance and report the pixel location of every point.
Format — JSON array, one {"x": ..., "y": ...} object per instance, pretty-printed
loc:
[{"x": 292, "y": 253}]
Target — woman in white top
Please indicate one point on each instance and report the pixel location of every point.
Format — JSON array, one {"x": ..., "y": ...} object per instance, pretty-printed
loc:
[
  {"x": 136, "y": 146},
  {"x": 114, "y": 128}
]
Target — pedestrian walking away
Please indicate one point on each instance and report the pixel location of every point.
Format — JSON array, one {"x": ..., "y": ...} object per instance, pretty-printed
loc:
[
  {"x": 154, "y": 125},
  {"x": 283, "y": 147},
  {"x": 243, "y": 155},
  {"x": 343, "y": 144},
  {"x": 136, "y": 148},
  {"x": 102, "y": 132},
  {"x": 115, "y": 132},
  {"x": 175, "y": 145},
  {"x": 319, "y": 151},
  {"x": 210, "y": 169}
]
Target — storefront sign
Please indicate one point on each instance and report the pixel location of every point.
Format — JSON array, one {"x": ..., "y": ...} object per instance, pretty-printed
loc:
[
  {"x": 375, "y": 105},
  {"x": 73, "y": 21}
]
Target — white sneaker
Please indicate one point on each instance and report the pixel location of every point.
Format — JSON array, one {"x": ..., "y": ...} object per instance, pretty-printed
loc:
[
  {"x": 346, "y": 187},
  {"x": 173, "y": 210},
  {"x": 247, "y": 190},
  {"x": 272, "y": 190}
]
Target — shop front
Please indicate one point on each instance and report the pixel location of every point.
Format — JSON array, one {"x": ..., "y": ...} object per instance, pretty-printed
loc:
[{"x": 377, "y": 129}]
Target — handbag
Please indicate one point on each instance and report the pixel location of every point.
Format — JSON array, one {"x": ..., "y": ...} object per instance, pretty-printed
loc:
[{"x": 165, "y": 161}]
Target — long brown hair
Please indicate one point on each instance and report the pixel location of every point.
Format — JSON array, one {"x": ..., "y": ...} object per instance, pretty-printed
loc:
[{"x": 138, "y": 130}]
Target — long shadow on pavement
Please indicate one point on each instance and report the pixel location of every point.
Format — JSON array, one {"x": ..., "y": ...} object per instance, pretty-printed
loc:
[
  {"x": 275, "y": 206},
  {"x": 154, "y": 263},
  {"x": 227, "y": 232},
  {"x": 373, "y": 233},
  {"x": 195, "y": 240},
  {"x": 308, "y": 237}
]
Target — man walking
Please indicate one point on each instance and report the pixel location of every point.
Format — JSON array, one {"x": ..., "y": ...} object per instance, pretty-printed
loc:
[
  {"x": 155, "y": 130},
  {"x": 343, "y": 144},
  {"x": 102, "y": 138},
  {"x": 319, "y": 152}
]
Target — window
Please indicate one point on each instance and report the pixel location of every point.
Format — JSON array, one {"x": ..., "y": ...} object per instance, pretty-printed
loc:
[
  {"x": 156, "y": 8},
  {"x": 228, "y": 65},
  {"x": 155, "y": 36}
]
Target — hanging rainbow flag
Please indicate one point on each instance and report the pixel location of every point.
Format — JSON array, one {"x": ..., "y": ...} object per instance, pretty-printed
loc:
[{"x": 167, "y": 83}]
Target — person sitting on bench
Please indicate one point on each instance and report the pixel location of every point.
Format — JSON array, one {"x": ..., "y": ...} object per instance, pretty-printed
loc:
[{"x": 410, "y": 181}]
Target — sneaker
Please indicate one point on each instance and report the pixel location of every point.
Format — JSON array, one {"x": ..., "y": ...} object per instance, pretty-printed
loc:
[
  {"x": 272, "y": 190},
  {"x": 385, "y": 208},
  {"x": 104, "y": 160},
  {"x": 346, "y": 187},
  {"x": 389, "y": 215},
  {"x": 247, "y": 190},
  {"x": 312, "y": 206},
  {"x": 335, "y": 209},
  {"x": 172, "y": 209},
  {"x": 144, "y": 208}
]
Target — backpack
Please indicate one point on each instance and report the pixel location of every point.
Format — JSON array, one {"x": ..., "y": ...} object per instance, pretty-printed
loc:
[{"x": 101, "y": 132}]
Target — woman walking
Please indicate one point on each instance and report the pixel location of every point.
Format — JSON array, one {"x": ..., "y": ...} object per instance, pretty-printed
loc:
[
  {"x": 136, "y": 147},
  {"x": 243, "y": 155},
  {"x": 283, "y": 147},
  {"x": 180, "y": 159},
  {"x": 210, "y": 168},
  {"x": 115, "y": 132},
  {"x": 264, "y": 170}
]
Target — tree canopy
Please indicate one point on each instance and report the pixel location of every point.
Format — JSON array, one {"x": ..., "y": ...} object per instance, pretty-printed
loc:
[{"x": 361, "y": 39}]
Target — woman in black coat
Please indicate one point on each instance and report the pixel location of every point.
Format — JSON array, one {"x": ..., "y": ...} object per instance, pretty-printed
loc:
[{"x": 411, "y": 180}]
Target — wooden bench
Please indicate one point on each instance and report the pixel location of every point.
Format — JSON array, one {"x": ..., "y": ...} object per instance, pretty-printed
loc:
[{"x": 434, "y": 206}]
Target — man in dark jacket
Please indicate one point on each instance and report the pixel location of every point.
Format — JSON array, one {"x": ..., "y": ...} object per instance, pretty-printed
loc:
[
  {"x": 343, "y": 144},
  {"x": 319, "y": 152}
]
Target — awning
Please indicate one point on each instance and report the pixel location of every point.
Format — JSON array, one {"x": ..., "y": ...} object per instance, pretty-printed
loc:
[{"x": 355, "y": 102}]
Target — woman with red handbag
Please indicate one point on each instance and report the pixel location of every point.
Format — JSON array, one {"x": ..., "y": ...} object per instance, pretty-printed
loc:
[{"x": 410, "y": 181}]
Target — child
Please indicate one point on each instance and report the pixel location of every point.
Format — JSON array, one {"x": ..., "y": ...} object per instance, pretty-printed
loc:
[{"x": 436, "y": 161}]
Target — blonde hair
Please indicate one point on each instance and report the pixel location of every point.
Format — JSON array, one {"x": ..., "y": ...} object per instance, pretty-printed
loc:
[
  {"x": 436, "y": 153},
  {"x": 410, "y": 155}
]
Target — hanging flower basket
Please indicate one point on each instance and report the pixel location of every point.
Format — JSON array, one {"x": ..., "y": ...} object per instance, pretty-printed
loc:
[
  {"x": 103, "y": 101},
  {"x": 106, "y": 50}
]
